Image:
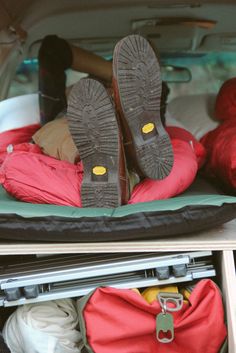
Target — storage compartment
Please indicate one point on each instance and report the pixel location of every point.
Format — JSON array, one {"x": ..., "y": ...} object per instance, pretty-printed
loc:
[
  {"x": 223, "y": 262},
  {"x": 228, "y": 278}
]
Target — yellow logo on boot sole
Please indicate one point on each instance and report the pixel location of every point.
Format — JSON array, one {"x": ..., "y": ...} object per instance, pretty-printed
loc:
[
  {"x": 99, "y": 170},
  {"x": 147, "y": 128}
]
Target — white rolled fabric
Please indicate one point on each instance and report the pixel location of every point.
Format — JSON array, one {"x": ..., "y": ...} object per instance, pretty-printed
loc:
[{"x": 48, "y": 327}]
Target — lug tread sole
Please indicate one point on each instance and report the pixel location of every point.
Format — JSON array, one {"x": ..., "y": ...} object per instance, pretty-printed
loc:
[
  {"x": 94, "y": 129},
  {"x": 137, "y": 73}
]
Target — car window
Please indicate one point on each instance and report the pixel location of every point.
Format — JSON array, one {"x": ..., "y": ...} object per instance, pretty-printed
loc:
[
  {"x": 208, "y": 72},
  {"x": 25, "y": 80}
]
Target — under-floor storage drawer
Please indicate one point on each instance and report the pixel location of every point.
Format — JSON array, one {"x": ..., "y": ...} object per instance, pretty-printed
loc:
[
  {"x": 225, "y": 279},
  {"x": 228, "y": 278}
]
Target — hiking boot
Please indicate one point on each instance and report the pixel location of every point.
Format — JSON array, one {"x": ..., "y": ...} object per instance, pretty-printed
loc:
[
  {"x": 137, "y": 89},
  {"x": 94, "y": 129},
  {"x": 55, "y": 56}
]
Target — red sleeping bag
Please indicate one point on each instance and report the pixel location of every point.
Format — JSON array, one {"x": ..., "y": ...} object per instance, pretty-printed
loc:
[
  {"x": 181, "y": 176},
  {"x": 36, "y": 178},
  {"x": 178, "y": 133},
  {"x": 121, "y": 321},
  {"x": 189, "y": 155}
]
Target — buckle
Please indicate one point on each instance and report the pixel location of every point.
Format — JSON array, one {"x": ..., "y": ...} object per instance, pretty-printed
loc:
[{"x": 164, "y": 321}]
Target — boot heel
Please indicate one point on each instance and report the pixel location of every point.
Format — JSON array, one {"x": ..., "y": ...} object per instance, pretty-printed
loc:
[{"x": 100, "y": 194}]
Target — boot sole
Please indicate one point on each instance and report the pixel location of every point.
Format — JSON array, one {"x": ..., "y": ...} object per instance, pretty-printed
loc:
[
  {"x": 94, "y": 129},
  {"x": 137, "y": 73}
]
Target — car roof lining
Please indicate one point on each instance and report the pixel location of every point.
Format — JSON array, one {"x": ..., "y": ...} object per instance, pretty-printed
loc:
[
  {"x": 14, "y": 11},
  {"x": 111, "y": 21}
]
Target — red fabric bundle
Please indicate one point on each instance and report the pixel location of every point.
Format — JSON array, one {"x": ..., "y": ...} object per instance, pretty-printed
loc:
[
  {"x": 15, "y": 137},
  {"x": 36, "y": 178},
  {"x": 225, "y": 106},
  {"x": 121, "y": 321},
  {"x": 189, "y": 155},
  {"x": 220, "y": 143},
  {"x": 221, "y": 148},
  {"x": 179, "y": 133},
  {"x": 180, "y": 178}
]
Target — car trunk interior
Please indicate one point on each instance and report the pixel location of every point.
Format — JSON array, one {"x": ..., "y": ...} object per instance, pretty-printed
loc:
[
  {"x": 225, "y": 279},
  {"x": 173, "y": 27}
]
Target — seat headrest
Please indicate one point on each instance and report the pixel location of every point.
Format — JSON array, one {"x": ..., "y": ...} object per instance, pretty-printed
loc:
[{"x": 195, "y": 112}]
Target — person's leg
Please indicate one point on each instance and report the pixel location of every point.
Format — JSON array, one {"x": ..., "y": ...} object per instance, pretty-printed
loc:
[
  {"x": 64, "y": 55},
  {"x": 138, "y": 95},
  {"x": 92, "y": 64},
  {"x": 94, "y": 129},
  {"x": 55, "y": 56}
]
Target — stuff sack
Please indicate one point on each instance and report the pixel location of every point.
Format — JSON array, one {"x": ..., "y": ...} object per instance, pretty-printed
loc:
[{"x": 122, "y": 321}]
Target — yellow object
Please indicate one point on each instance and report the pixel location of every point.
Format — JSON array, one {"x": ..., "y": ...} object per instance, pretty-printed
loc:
[
  {"x": 186, "y": 293},
  {"x": 150, "y": 294},
  {"x": 99, "y": 170},
  {"x": 148, "y": 128},
  {"x": 136, "y": 290}
]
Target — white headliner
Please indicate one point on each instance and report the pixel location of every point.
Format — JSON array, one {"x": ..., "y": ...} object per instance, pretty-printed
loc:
[{"x": 105, "y": 21}]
